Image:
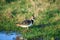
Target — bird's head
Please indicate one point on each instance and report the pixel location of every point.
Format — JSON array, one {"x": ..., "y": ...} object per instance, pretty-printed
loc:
[{"x": 33, "y": 17}]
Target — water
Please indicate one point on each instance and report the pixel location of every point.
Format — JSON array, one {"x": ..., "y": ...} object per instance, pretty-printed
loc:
[{"x": 9, "y": 36}]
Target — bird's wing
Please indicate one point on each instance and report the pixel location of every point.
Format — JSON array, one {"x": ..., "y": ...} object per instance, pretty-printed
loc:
[{"x": 26, "y": 22}]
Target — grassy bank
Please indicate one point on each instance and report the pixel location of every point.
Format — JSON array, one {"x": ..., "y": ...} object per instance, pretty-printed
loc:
[{"x": 46, "y": 24}]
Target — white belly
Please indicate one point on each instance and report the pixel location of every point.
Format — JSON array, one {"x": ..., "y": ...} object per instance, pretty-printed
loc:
[{"x": 26, "y": 25}]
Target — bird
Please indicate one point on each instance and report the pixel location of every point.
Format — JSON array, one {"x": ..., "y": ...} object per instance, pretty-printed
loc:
[{"x": 27, "y": 22}]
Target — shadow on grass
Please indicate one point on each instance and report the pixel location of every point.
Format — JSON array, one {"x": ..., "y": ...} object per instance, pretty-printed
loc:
[
  {"x": 48, "y": 24},
  {"x": 9, "y": 1}
]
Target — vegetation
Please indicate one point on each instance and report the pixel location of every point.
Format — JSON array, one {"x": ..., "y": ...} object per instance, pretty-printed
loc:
[{"x": 46, "y": 24}]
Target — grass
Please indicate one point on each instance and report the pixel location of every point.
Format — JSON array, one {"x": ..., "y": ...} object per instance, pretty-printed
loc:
[{"x": 46, "y": 24}]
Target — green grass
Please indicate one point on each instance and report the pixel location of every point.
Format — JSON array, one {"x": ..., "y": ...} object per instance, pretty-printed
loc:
[{"x": 46, "y": 24}]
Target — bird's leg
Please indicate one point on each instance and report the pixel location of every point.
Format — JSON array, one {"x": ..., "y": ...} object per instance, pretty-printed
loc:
[{"x": 27, "y": 28}]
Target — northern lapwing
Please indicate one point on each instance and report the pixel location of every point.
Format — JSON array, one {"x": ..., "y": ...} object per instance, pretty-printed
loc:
[{"x": 26, "y": 22}]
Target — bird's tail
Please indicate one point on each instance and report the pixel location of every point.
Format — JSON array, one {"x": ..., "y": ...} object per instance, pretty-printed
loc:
[{"x": 18, "y": 24}]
